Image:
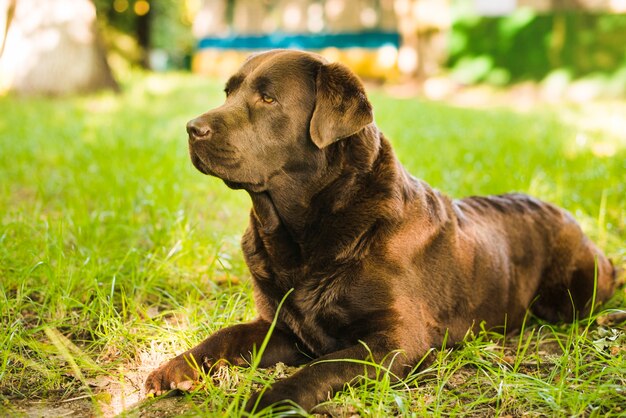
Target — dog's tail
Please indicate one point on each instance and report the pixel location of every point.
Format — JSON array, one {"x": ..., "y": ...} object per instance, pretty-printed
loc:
[
  {"x": 619, "y": 278},
  {"x": 614, "y": 317}
]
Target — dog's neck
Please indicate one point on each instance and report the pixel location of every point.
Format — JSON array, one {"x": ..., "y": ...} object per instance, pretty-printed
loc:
[{"x": 364, "y": 160}]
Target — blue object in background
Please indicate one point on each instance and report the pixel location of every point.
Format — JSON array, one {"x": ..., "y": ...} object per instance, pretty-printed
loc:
[{"x": 302, "y": 41}]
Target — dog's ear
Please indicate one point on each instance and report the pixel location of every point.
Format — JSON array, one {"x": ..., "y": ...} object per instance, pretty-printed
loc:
[{"x": 341, "y": 106}]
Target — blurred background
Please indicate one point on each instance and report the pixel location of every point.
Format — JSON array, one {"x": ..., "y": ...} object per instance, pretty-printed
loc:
[{"x": 553, "y": 49}]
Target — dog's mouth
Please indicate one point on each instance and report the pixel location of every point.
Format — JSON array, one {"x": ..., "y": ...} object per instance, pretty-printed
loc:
[
  {"x": 214, "y": 161},
  {"x": 203, "y": 166},
  {"x": 199, "y": 164}
]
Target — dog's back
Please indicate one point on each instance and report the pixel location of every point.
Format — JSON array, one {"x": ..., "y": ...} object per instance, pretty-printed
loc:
[{"x": 554, "y": 266}]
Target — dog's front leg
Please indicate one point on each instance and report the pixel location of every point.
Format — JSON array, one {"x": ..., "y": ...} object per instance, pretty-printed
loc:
[
  {"x": 320, "y": 379},
  {"x": 234, "y": 345}
]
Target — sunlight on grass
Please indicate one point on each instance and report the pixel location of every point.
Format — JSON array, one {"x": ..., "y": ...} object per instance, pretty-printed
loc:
[{"x": 116, "y": 254}]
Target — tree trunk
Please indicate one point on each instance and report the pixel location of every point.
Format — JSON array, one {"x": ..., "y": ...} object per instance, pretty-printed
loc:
[
  {"x": 143, "y": 37},
  {"x": 52, "y": 47}
]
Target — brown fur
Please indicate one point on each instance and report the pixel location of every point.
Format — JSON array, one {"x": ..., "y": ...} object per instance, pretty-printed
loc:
[{"x": 379, "y": 262}]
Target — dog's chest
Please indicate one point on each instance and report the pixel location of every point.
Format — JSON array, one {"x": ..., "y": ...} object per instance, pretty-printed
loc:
[
  {"x": 331, "y": 304},
  {"x": 317, "y": 310}
]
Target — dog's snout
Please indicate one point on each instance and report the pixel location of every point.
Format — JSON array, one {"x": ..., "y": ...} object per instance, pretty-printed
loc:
[{"x": 198, "y": 130}]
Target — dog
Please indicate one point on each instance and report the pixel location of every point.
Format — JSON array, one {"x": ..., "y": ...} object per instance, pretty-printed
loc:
[{"x": 364, "y": 261}]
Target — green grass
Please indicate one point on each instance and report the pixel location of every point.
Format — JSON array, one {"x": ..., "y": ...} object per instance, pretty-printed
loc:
[{"x": 115, "y": 253}]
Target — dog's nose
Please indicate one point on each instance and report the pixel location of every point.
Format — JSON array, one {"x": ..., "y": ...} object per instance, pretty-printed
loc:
[{"x": 198, "y": 130}]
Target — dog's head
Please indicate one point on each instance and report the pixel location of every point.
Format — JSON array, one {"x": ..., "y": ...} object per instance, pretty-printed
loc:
[{"x": 282, "y": 110}]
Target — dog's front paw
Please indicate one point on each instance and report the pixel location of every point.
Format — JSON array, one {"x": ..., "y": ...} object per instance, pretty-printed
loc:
[{"x": 179, "y": 373}]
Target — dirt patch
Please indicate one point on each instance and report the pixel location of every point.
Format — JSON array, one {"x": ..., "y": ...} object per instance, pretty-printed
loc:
[
  {"x": 173, "y": 406},
  {"x": 35, "y": 409},
  {"x": 92, "y": 406}
]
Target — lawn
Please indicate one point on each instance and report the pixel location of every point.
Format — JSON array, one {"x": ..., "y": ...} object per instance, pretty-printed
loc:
[{"x": 115, "y": 253}]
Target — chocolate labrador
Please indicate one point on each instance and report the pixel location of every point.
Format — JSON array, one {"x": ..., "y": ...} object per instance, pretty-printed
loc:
[{"x": 379, "y": 262}]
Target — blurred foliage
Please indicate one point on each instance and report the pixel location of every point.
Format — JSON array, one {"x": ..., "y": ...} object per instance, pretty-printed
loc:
[
  {"x": 525, "y": 45},
  {"x": 169, "y": 30}
]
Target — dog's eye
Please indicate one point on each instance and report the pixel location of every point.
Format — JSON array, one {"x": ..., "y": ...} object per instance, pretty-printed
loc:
[
  {"x": 267, "y": 99},
  {"x": 227, "y": 92}
]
